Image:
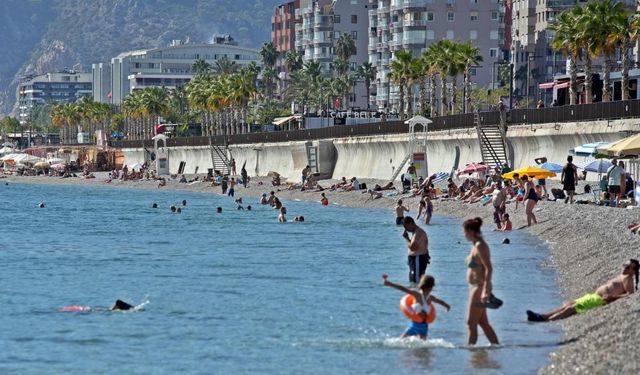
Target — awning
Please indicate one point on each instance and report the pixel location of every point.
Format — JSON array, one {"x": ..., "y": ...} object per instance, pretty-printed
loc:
[
  {"x": 547, "y": 85},
  {"x": 562, "y": 85},
  {"x": 283, "y": 120}
]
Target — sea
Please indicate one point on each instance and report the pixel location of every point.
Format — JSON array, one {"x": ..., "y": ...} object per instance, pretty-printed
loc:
[{"x": 239, "y": 293}]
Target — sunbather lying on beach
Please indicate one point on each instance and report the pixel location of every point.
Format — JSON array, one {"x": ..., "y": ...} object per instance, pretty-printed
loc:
[
  {"x": 619, "y": 287},
  {"x": 634, "y": 228}
]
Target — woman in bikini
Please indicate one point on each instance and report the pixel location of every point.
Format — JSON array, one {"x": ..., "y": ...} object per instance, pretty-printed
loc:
[
  {"x": 531, "y": 199},
  {"x": 479, "y": 275}
]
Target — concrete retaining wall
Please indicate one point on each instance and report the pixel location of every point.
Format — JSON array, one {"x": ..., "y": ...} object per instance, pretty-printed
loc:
[{"x": 377, "y": 156}]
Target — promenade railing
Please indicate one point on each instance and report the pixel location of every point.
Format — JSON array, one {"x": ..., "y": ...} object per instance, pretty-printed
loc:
[{"x": 570, "y": 113}]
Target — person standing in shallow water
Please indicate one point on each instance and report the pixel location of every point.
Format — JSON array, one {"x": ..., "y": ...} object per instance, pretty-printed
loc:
[
  {"x": 400, "y": 210},
  {"x": 479, "y": 275},
  {"x": 417, "y": 249}
]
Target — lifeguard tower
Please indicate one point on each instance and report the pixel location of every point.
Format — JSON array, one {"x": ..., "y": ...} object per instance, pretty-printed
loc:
[
  {"x": 418, "y": 128},
  {"x": 162, "y": 154}
]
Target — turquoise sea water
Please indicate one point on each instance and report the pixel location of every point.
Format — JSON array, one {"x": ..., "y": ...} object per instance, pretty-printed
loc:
[{"x": 237, "y": 293}]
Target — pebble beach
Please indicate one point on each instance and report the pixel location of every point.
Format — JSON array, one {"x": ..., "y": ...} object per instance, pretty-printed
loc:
[{"x": 588, "y": 245}]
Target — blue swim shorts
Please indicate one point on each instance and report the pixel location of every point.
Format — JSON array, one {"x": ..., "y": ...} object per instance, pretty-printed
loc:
[{"x": 417, "y": 329}]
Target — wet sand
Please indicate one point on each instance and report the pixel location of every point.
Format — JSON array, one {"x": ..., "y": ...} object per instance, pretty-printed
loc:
[{"x": 588, "y": 246}]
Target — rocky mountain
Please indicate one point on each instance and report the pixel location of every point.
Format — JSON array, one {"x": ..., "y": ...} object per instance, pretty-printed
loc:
[{"x": 37, "y": 36}]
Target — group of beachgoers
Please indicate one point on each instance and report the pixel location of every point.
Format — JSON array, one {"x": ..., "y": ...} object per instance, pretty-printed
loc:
[{"x": 479, "y": 277}]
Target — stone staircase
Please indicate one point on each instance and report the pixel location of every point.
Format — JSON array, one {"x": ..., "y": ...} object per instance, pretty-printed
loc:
[
  {"x": 219, "y": 158},
  {"x": 493, "y": 141}
]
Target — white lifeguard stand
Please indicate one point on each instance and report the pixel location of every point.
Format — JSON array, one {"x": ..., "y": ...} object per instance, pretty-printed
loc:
[
  {"x": 418, "y": 128},
  {"x": 162, "y": 154}
]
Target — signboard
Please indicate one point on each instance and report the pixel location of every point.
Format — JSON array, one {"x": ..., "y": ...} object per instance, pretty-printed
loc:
[{"x": 419, "y": 160}]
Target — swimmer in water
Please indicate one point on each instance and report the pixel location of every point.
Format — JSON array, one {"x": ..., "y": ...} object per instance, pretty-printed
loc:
[
  {"x": 155, "y": 205},
  {"x": 281, "y": 217},
  {"x": 41, "y": 205},
  {"x": 179, "y": 210},
  {"x": 423, "y": 298},
  {"x": 400, "y": 210},
  {"x": 173, "y": 208},
  {"x": 121, "y": 305},
  {"x": 184, "y": 202},
  {"x": 249, "y": 208},
  {"x": 219, "y": 210}
]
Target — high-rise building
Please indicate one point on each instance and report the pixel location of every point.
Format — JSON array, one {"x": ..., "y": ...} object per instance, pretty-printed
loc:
[
  {"x": 413, "y": 25},
  {"x": 59, "y": 87},
  {"x": 168, "y": 67},
  {"x": 323, "y": 21},
  {"x": 101, "y": 73},
  {"x": 283, "y": 35}
]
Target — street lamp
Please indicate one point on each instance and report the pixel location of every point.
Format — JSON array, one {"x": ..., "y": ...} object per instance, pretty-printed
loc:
[{"x": 529, "y": 58}]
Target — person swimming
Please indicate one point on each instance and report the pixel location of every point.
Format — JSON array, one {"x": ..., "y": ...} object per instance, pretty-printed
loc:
[
  {"x": 219, "y": 210},
  {"x": 184, "y": 202},
  {"x": 155, "y": 205},
  {"x": 173, "y": 208},
  {"x": 249, "y": 208},
  {"x": 121, "y": 305},
  {"x": 41, "y": 205}
]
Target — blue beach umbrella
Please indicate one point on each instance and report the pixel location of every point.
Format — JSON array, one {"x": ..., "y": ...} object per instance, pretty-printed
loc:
[
  {"x": 596, "y": 166},
  {"x": 553, "y": 167},
  {"x": 440, "y": 176},
  {"x": 588, "y": 149}
]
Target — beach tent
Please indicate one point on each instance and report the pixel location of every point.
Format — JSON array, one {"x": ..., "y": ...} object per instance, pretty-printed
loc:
[
  {"x": 552, "y": 167},
  {"x": 531, "y": 172},
  {"x": 629, "y": 146},
  {"x": 26, "y": 159},
  {"x": 588, "y": 149},
  {"x": 596, "y": 166}
]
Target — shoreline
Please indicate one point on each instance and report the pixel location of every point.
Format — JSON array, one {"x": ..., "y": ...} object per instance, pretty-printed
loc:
[{"x": 587, "y": 245}]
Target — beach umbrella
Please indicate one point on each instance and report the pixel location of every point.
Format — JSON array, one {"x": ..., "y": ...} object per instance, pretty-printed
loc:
[
  {"x": 473, "y": 168},
  {"x": 552, "y": 167},
  {"x": 56, "y": 160},
  {"x": 629, "y": 146},
  {"x": 41, "y": 165},
  {"x": 531, "y": 172},
  {"x": 6, "y": 150},
  {"x": 137, "y": 166},
  {"x": 596, "y": 166},
  {"x": 440, "y": 176},
  {"x": 588, "y": 149}
]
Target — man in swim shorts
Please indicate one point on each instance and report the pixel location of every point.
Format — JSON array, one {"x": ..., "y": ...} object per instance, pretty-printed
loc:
[
  {"x": 417, "y": 249},
  {"x": 619, "y": 287},
  {"x": 400, "y": 210}
]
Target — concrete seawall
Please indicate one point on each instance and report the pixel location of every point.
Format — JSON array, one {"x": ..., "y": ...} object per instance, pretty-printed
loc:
[{"x": 377, "y": 156}]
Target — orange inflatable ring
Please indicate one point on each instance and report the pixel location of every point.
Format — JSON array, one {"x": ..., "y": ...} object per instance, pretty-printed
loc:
[{"x": 406, "y": 304}]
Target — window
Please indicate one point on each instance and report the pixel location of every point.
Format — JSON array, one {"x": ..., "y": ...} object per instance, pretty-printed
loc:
[
  {"x": 473, "y": 34},
  {"x": 354, "y": 18},
  {"x": 494, "y": 16},
  {"x": 336, "y": 19},
  {"x": 450, "y": 34},
  {"x": 430, "y": 35},
  {"x": 354, "y": 35},
  {"x": 336, "y": 35},
  {"x": 429, "y": 16},
  {"x": 451, "y": 16},
  {"x": 493, "y": 35},
  {"x": 473, "y": 15},
  {"x": 472, "y": 71},
  {"x": 493, "y": 52},
  {"x": 450, "y": 3}
]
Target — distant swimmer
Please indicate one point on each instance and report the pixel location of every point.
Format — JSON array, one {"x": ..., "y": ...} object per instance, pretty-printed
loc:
[
  {"x": 184, "y": 202},
  {"x": 219, "y": 210},
  {"x": 264, "y": 199},
  {"x": 155, "y": 205},
  {"x": 41, "y": 205},
  {"x": 281, "y": 217},
  {"x": 299, "y": 219},
  {"x": 119, "y": 305},
  {"x": 179, "y": 210},
  {"x": 240, "y": 208},
  {"x": 173, "y": 208},
  {"x": 422, "y": 305},
  {"x": 324, "y": 200},
  {"x": 249, "y": 208}
]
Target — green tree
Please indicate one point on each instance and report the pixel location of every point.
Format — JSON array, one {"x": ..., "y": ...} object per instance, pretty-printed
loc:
[
  {"x": 367, "y": 73},
  {"x": 566, "y": 40},
  {"x": 401, "y": 73},
  {"x": 470, "y": 56},
  {"x": 201, "y": 67}
]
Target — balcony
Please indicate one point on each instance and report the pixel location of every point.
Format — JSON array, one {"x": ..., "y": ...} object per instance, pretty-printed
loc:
[
  {"x": 554, "y": 4},
  {"x": 412, "y": 4},
  {"x": 415, "y": 23}
]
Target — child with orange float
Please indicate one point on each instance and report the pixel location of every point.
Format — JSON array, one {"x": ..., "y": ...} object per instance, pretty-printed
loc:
[{"x": 417, "y": 305}]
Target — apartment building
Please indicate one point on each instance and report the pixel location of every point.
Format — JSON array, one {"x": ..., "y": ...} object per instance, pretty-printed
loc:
[
  {"x": 164, "y": 67},
  {"x": 323, "y": 21},
  {"x": 58, "y": 87},
  {"x": 531, "y": 51},
  {"x": 413, "y": 25}
]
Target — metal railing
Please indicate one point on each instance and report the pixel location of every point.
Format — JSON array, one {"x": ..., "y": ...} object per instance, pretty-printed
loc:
[{"x": 573, "y": 113}]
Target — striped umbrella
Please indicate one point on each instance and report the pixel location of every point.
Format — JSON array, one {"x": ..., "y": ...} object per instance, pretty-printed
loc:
[{"x": 440, "y": 176}]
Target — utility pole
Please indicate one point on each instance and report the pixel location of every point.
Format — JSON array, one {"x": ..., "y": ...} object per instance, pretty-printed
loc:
[{"x": 510, "y": 85}]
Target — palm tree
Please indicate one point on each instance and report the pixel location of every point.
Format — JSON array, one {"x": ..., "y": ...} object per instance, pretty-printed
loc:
[
  {"x": 443, "y": 56},
  {"x": 66, "y": 116},
  {"x": 269, "y": 55},
  {"x": 344, "y": 49},
  {"x": 585, "y": 45},
  {"x": 469, "y": 56},
  {"x": 367, "y": 72},
  {"x": 429, "y": 68},
  {"x": 566, "y": 40},
  {"x": 293, "y": 61},
  {"x": 624, "y": 31},
  {"x": 224, "y": 66},
  {"x": 600, "y": 28},
  {"x": 401, "y": 72},
  {"x": 201, "y": 67}
]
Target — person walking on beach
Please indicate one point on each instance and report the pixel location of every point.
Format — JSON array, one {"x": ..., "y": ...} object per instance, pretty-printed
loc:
[
  {"x": 232, "y": 185},
  {"x": 479, "y": 275},
  {"x": 614, "y": 174},
  {"x": 619, "y": 287},
  {"x": 224, "y": 185},
  {"x": 531, "y": 199},
  {"x": 417, "y": 249},
  {"x": 499, "y": 202},
  {"x": 569, "y": 178},
  {"x": 232, "y": 164},
  {"x": 400, "y": 210},
  {"x": 245, "y": 176},
  {"x": 305, "y": 173}
]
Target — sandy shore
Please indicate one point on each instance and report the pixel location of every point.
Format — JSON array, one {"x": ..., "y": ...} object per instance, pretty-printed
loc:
[{"x": 588, "y": 245}]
